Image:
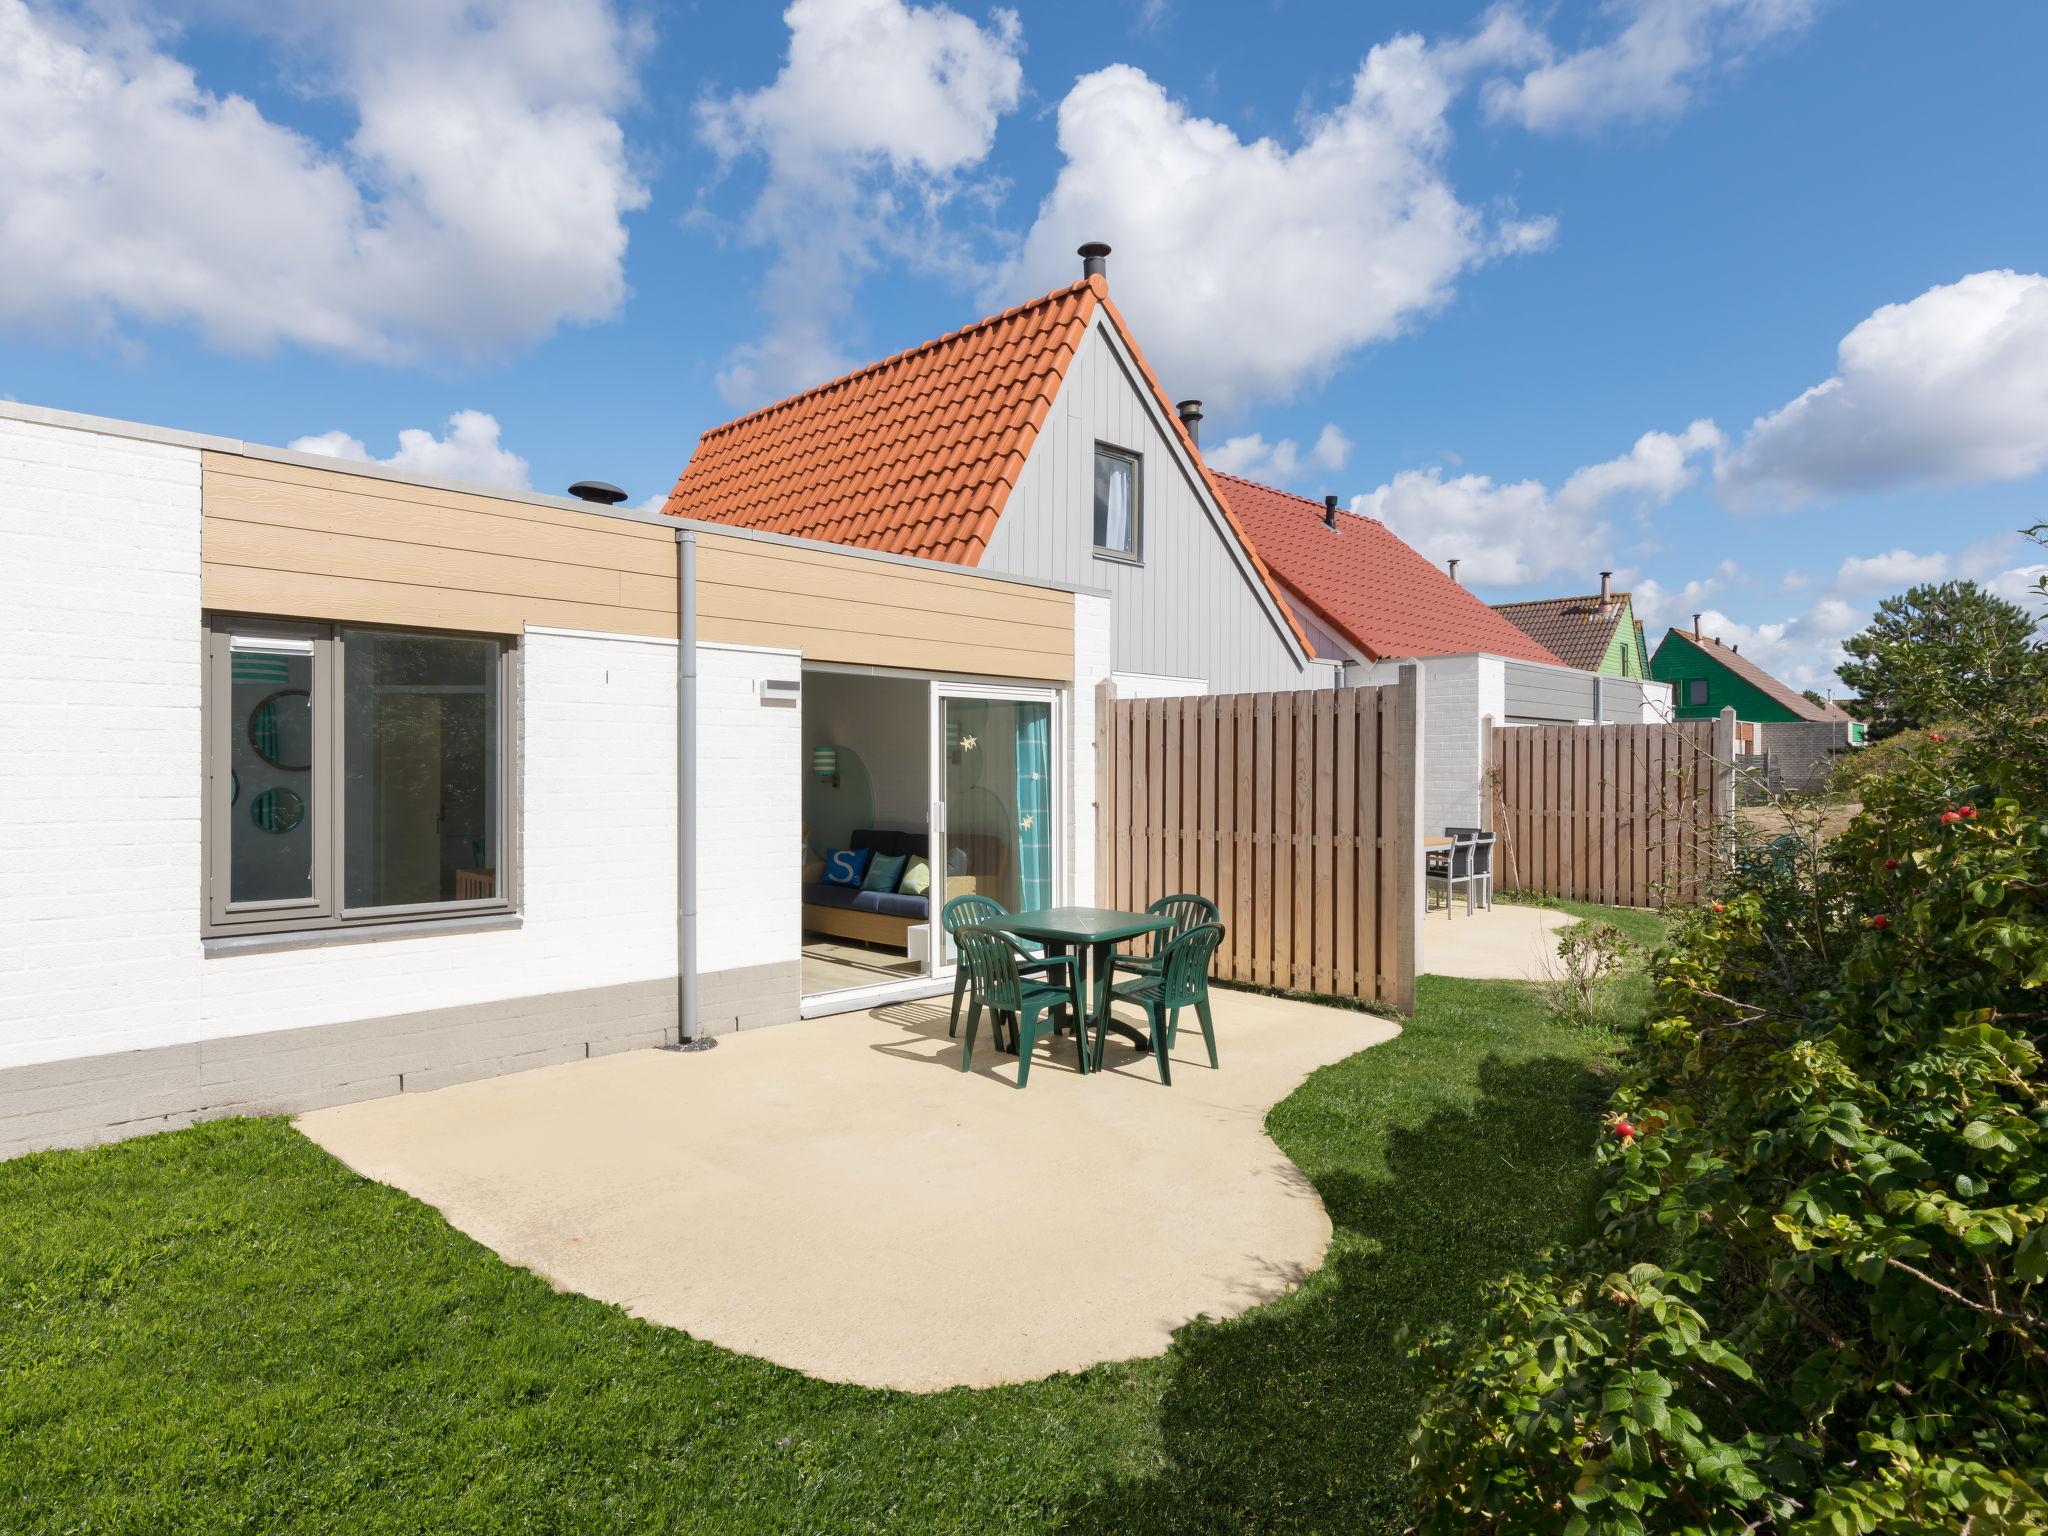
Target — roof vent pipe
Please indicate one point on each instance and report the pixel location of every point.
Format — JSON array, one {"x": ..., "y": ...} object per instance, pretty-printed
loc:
[
  {"x": 1191, "y": 418},
  {"x": 597, "y": 491},
  {"x": 1453, "y": 562},
  {"x": 1696, "y": 626},
  {"x": 1606, "y": 589},
  {"x": 1329, "y": 511},
  {"x": 1094, "y": 260}
]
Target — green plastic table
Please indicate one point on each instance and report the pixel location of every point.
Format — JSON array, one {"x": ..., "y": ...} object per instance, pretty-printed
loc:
[{"x": 1092, "y": 935}]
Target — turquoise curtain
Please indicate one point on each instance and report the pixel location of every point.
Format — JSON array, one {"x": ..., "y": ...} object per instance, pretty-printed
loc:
[{"x": 1034, "y": 806}]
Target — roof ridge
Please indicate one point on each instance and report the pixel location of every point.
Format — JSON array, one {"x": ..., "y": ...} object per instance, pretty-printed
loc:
[{"x": 894, "y": 358}]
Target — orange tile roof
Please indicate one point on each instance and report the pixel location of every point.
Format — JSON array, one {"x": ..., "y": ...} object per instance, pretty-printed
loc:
[
  {"x": 1366, "y": 584},
  {"x": 917, "y": 454}
]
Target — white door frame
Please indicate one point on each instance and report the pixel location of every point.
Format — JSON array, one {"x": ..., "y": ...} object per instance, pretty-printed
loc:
[{"x": 1009, "y": 693}]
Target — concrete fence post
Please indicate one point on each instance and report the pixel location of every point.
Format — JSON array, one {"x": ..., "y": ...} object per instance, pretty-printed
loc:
[
  {"x": 1106, "y": 813},
  {"x": 1408, "y": 885},
  {"x": 1724, "y": 766}
]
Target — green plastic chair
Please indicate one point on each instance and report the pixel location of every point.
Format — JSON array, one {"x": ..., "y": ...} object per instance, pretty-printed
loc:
[
  {"x": 1182, "y": 981},
  {"x": 959, "y": 913},
  {"x": 1187, "y": 911},
  {"x": 1006, "y": 988}
]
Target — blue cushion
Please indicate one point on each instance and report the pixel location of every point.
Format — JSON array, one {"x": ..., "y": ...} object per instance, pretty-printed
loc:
[
  {"x": 886, "y": 872},
  {"x": 847, "y": 866},
  {"x": 891, "y": 904},
  {"x": 818, "y": 894}
]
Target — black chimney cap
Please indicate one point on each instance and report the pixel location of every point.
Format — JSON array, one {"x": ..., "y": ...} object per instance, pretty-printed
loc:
[
  {"x": 597, "y": 491},
  {"x": 1094, "y": 259},
  {"x": 1329, "y": 511}
]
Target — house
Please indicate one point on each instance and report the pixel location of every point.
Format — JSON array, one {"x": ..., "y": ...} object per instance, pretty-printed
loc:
[
  {"x": 325, "y": 781},
  {"x": 1795, "y": 737},
  {"x": 1035, "y": 443},
  {"x": 1597, "y": 633},
  {"x": 1367, "y": 599}
]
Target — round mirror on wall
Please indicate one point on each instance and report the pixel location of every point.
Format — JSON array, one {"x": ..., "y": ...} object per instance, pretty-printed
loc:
[
  {"x": 277, "y": 810},
  {"x": 281, "y": 730}
]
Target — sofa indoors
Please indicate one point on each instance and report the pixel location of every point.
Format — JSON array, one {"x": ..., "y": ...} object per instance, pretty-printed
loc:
[{"x": 886, "y": 917}]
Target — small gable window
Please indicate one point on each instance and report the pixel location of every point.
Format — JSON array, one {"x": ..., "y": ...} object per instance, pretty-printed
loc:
[
  {"x": 1117, "y": 503},
  {"x": 1695, "y": 690}
]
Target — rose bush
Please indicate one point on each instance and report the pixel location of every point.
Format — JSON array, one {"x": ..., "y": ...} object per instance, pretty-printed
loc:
[{"x": 1814, "y": 1301}]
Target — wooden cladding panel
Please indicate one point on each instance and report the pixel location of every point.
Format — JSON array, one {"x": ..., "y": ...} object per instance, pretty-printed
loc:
[
  {"x": 1624, "y": 815},
  {"x": 1282, "y": 808},
  {"x": 327, "y": 544},
  {"x": 843, "y": 608},
  {"x": 321, "y": 543}
]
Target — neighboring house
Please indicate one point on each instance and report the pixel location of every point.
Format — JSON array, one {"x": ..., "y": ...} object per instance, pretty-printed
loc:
[
  {"x": 1596, "y": 633},
  {"x": 1038, "y": 443},
  {"x": 1368, "y": 599},
  {"x": 325, "y": 781},
  {"x": 1796, "y": 737}
]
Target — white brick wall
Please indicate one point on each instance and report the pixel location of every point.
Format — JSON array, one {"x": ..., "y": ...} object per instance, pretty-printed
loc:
[
  {"x": 1093, "y": 644},
  {"x": 749, "y": 810},
  {"x": 598, "y": 874},
  {"x": 1459, "y": 693},
  {"x": 99, "y": 741}
]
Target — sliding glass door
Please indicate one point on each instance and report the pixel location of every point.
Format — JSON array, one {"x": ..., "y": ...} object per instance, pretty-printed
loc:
[{"x": 997, "y": 816}]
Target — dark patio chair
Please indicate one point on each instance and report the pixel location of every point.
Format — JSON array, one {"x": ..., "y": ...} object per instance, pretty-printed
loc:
[
  {"x": 997, "y": 982},
  {"x": 957, "y": 914},
  {"x": 1182, "y": 981}
]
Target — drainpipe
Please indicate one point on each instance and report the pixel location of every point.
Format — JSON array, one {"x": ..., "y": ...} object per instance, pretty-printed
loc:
[{"x": 686, "y": 785}]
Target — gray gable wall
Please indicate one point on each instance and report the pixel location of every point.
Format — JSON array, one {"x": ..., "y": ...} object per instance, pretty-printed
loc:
[{"x": 1193, "y": 606}]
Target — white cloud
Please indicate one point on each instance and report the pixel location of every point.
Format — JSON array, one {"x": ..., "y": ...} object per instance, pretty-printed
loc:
[
  {"x": 469, "y": 450},
  {"x": 868, "y": 132},
  {"x": 1891, "y": 570},
  {"x": 1251, "y": 269},
  {"x": 478, "y": 203},
  {"x": 1950, "y": 388},
  {"x": 1254, "y": 458},
  {"x": 1650, "y": 69},
  {"x": 1508, "y": 534}
]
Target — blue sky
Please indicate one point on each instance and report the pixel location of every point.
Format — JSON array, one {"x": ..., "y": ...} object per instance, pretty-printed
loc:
[{"x": 1545, "y": 287}]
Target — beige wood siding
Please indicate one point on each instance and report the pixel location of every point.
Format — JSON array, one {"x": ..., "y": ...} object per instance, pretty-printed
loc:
[
  {"x": 326, "y": 544},
  {"x": 843, "y": 608},
  {"x": 316, "y": 543}
]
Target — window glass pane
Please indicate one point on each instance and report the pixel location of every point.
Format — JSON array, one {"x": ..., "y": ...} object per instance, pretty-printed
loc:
[
  {"x": 270, "y": 763},
  {"x": 420, "y": 768},
  {"x": 998, "y": 787},
  {"x": 1115, "y": 502}
]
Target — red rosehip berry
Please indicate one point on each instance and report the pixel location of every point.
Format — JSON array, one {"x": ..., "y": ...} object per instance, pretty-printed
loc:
[
  {"x": 1719, "y": 907},
  {"x": 1949, "y": 818},
  {"x": 1967, "y": 812},
  {"x": 1880, "y": 922},
  {"x": 1624, "y": 1130},
  {"x": 1936, "y": 736},
  {"x": 1891, "y": 863}
]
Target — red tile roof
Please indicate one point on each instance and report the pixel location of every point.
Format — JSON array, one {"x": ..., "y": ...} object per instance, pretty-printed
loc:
[
  {"x": 916, "y": 454},
  {"x": 1577, "y": 630},
  {"x": 1367, "y": 585}
]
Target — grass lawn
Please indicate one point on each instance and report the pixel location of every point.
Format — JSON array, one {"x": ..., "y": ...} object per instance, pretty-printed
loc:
[{"x": 223, "y": 1329}]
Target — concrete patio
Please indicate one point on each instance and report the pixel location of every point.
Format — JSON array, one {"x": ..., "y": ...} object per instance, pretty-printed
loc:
[
  {"x": 836, "y": 1196},
  {"x": 1504, "y": 942}
]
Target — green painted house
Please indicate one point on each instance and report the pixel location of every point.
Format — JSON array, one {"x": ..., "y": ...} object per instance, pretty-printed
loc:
[
  {"x": 1595, "y": 633},
  {"x": 1707, "y": 676}
]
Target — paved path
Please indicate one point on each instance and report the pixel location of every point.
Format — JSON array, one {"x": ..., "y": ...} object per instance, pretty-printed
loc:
[
  {"x": 1504, "y": 942},
  {"x": 836, "y": 1196}
]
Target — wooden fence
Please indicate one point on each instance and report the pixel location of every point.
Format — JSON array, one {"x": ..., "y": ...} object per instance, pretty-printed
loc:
[
  {"x": 1627, "y": 815},
  {"x": 1296, "y": 813}
]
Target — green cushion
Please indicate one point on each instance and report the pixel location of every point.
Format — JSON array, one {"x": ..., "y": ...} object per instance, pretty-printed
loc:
[
  {"x": 917, "y": 876},
  {"x": 885, "y": 872}
]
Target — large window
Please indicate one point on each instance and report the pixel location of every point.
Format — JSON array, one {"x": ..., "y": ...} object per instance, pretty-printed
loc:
[
  {"x": 1117, "y": 503},
  {"x": 354, "y": 775}
]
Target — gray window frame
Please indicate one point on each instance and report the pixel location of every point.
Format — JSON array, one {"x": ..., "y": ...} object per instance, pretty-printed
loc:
[
  {"x": 325, "y": 908},
  {"x": 1135, "y": 555}
]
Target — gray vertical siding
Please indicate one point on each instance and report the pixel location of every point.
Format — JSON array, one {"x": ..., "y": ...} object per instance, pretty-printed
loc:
[
  {"x": 1193, "y": 607},
  {"x": 1549, "y": 694}
]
